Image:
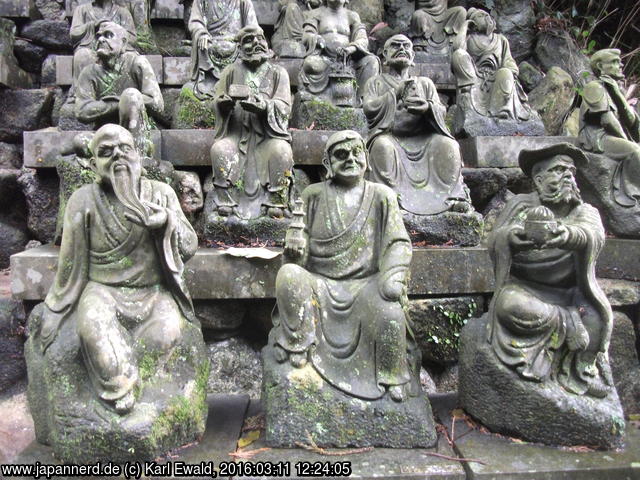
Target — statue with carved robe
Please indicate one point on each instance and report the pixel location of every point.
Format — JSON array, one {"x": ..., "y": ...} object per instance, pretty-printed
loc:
[{"x": 436, "y": 29}]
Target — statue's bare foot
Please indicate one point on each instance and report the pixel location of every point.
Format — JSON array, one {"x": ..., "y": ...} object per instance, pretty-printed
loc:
[
  {"x": 397, "y": 393},
  {"x": 280, "y": 354},
  {"x": 275, "y": 212},
  {"x": 125, "y": 404},
  {"x": 298, "y": 360},
  {"x": 225, "y": 211},
  {"x": 597, "y": 388}
]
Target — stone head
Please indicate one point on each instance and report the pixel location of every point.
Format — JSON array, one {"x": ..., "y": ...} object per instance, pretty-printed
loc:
[
  {"x": 189, "y": 191},
  {"x": 111, "y": 40},
  {"x": 113, "y": 149},
  {"x": 345, "y": 157},
  {"x": 607, "y": 62},
  {"x": 253, "y": 45},
  {"x": 481, "y": 20},
  {"x": 398, "y": 52}
]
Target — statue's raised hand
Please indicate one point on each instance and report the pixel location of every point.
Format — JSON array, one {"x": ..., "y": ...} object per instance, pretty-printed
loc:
[
  {"x": 204, "y": 41},
  {"x": 156, "y": 217},
  {"x": 559, "y": 237},
  {"x": 294, "y": 246}
]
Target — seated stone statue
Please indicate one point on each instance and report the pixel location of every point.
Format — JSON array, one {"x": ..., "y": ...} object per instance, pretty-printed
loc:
[
  {"x": 213, "y": 26},
  {"x": 410, "y": 147},
  {"x": 189, "y": 192},
  {"x": 436, "y": 29},
  {"x": 141, "y": 13},
  {"x": 610, "y": 127},
  {"x": 341, "y": 291},
  {"x": 120, "y": 298},
  {"x": 120, "y": 87},
  {"x": 549, "y": 323},
  {"x": 84, "y": 25},
  {"x": 251, "y": 152},
  {"x": 487, "y": 81},
  {"x": 287, "y": 35},
  {"x": 336, "y": 47}
]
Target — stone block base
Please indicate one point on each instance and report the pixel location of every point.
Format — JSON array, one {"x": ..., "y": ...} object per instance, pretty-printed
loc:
[
  {"x": 468, "y": 123},
  {"x": 300, "y": 405},
  {"x": 450, "y": 228},
  {"x": 537, "y": 412},
  {"x": 170, "y": 409},
  {"x": 318, "y": 114}
]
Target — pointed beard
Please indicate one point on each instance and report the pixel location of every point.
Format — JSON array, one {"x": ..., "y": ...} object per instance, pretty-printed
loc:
[
  {"x": 123, "y": 184},
  {"x": 567, "y": 193}
]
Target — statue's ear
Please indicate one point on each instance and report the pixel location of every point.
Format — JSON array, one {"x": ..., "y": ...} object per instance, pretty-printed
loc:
[{"x": 326, "y": 163}]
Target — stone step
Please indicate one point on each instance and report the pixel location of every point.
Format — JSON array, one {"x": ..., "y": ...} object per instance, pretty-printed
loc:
[
  {"x": 183, "y": 148},
  {"x": 216, "y": 274}
]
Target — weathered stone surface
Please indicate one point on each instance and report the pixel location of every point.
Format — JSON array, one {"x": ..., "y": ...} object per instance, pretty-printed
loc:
[
  {"x": 437, "y": 323},
  {"x": 10, "y": 155},
  {"x": 13, "y": 225},
  {"x": 447, "y": 380},
  {"x": 559, "y": 49},
  {"x": 224, "y": 274},
  {"x": 41, "y": 193},
  {"x": 529, "y": 76},
  {"x": 14, "y": 8},
  {"x": 502, "y": 151},
  {"x": 235, "y": 368},
  {"x": 224, "y": 317},
  {"x": 11, "y": 75},
  {"x": 12, "y": 334},
  {"x": 299, "y": 403},
  {"x": 553, "y": 99},
  {"x": 22, "y": 110},
  {"x": 469, "y": 123},
  {"x": 170, "y": 410},
  {"x": 370, "y": 11},
  {"x": 625, "y": 366},
  {"x": 431, "y": 67},
  {"x": 72, "y": 175},
  {"x": 177, "y": 70},
  {"x": 50, "y": 9},
  {"x": 620, "y": 293},
  {"x": 64, "y": 68},
  {"x": 317, "y": 114},
  {"x": 233, "y": 230},
  {"x": 493, "y": 209},
  {"x": 29, "y": 55},
  {"x": 484, "y": 184},
  {"x": 170, "y": 40},
  {"x": 52, "y": 34},
  {"x": 505, "y": 403},
  {"x": 191, "y": 113},
  {"x": 448, "y": 228},
  {"x": 515, "y": 19},
  {"x": 48, "y": 72},
  {"x": 17, "y": 425}
]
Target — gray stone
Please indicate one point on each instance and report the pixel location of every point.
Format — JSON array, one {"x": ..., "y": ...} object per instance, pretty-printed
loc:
[
  {"x": 10, "y": 155},
  {"x": 50, "y": 9},
  {"x": 484, "y": 183},
  {"x": 235, "y": 368},
  {"x": 170, "y": 411},
  {"x": 553, "y": 99},
  {"x": 317, "y": 114},
  {"x": 14, "y": 8},
  {"x": 48, "y": 71},
  {"x": 52, "y": 34},
  {"x": 224, "y": 317},
  {"x": 620, "y": 293},
  {"x": 433, "y": 68},
  {"x": 426, "y": 381},
  {"x": 41, "y": 193},
  {"x": 468, "y": 123},
  {"x": 238, "y": 231},
  {"x": 64, "y": 68},
  {"x": 502, "y": 401},
  {"x": 16, "y": 423},
  {"x": 515, "y": 19},
  {"x": 625, "y": 366},
  {"x": 529, "y": 76},
  {"x": 493, "y": 209},
  {"x": 502, "y": 151},
  {"x": 437, "y": 323},
  {"x": 13, "y": 226},
  {"x": 12, "y": 335},
  {"x": 447, "y": 228},
  {"x": 11, "y": 75},
  {"x": 30, "y": 56},
  {"x": 447, "y": 380},
  {"x": 22, "y": 110},
  {"x": 298, "y": 403},
  {"x": 559, "y": 49}
]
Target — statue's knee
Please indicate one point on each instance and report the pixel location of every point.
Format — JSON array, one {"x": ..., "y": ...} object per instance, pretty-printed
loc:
[
  {"x": 291, "y": 282},
  {"x": 505, "y": 77},
  {"x": 222, "y": 151},
  {"x": 131, "y": 97},
  {"x": 510, "y": 303},
  {"x": 313, "y": 65},
  {"x": 382, "y": 151},
  {"x": 459, "y": 57}
]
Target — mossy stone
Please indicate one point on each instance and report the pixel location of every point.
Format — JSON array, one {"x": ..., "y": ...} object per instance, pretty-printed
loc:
[{"x": 190, "y": 112}]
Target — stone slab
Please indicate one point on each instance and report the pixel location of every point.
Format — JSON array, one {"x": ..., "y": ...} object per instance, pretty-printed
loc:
[
  {"x": 183, "y": 148},
  {"x": 64, "y": 68},
  {"x": 440, "y": 74},
  {"x": 14, "y": 8},
  {"x": 12, "y": 76},
  {"x": 620, "y": 259},
  {"x": 215, "y": 274},
  {"x": 177, "y": 71},
  {"x": 502, "y": 152},
  {"x": 509, "y": 460},
  {"x": 620, "y": 293}
]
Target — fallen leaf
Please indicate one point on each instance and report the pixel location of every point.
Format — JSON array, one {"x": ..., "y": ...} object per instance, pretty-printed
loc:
[{"x": 249, "y": 438}]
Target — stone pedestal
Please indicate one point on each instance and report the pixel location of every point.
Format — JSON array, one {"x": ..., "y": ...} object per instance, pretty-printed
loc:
[
  {"x": 320, "y": 114},
  {"x": 537, "y": 412},
  {"x": 170, "y": 409},
  {"x": 300, "y": 405},
  {"x": 450, "y": 228},
  {"x": 468, "y": 123}
]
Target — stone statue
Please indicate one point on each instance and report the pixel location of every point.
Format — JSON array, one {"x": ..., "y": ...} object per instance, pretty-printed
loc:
[
  {"x": 549, "y": 323},
  {"x": 341, "y": 291},
  {"x": 487, "y": 84},
  {"x": 189, "y": 192},
  {"x": 120, "y": 87},
  {"x": 337, "y": 49},
  {"x": 610, "y": 127},
  {"x": 213, "y": 26},
  {"x": 119, "y": 297},
  {"x": 84, "y": 25},
  {"x": 287, "y": 35},
  {"x": 436, "y": 29},
  {"x": 141, "y": 13},
  {"x": 410, "y": 147},
  {"x": 251, "y": 152}
]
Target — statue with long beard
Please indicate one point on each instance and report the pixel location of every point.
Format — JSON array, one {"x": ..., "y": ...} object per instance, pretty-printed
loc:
[{"x": 547, "y": 332}]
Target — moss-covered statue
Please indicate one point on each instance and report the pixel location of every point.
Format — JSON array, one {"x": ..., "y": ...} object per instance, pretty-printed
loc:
[
  {"x": 336, "y": 67},
  {"x": 542, "y": 347},
  {"x": 213, "y": 25},
  {"x": 251, "y": 153},
  {"x": 489, "y": 97},
  {"x": 287, "y": 35},
  {"x": 141, "y": 13},
  {"x": 117, "y": 366},
  {"x": 437, "y": 30},
  {"x": 341, "y": 332},
  {"x": 610, "y": 133},
  {"x": 120, "y": 87},
  {"x": 410, "y": 147}
]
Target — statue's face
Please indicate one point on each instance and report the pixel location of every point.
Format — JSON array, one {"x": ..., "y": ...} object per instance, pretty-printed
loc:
[
  {"x": 113, "y": 152},
  {"x": 111, "y": 40},
  {"x": 348, "y": 161},
  {"x": 398, "y": 51},
  {"x": 191, "y": 198},
  {"x": 555, "y": 181},
  {"x": 482, "y": 22},
  {"x": 612, "y": 67},
  {"x": 254, "y": 46}
]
